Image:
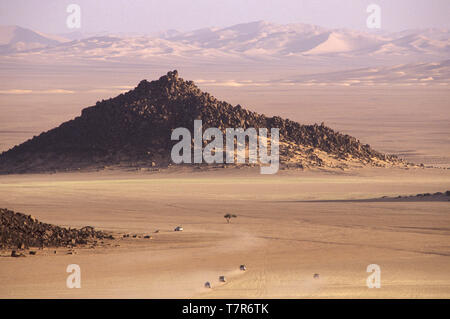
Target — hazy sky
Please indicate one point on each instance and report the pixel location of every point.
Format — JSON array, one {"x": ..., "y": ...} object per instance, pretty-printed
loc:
[{"x": 144, "y": 16}]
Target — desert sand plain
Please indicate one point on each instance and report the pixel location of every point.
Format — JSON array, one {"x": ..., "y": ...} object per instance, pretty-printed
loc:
[
  {"x": 390, "y": 90},
  {"x": 281, "y": 237},
  {"x": 289, "y": 226}
]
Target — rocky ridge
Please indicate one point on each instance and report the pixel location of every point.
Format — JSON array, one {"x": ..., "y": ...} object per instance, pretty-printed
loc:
[
  {"x": 21, "y": 231},
  {"x": 134, "y": 129}
]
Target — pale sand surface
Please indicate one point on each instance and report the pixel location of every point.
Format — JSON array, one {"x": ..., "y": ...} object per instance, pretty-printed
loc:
[{"x": 282, "y": 240}]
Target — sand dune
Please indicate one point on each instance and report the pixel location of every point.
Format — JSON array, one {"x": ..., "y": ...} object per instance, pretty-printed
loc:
[{"x": 255, "y": 40}]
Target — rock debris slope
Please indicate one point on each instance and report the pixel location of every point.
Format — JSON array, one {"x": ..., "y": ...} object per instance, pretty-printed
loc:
[
  {"x": 134, "y": 129},
  {"x": 23, "y": 231}
]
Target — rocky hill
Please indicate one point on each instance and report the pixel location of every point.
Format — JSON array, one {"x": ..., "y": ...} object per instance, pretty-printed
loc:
[
  {"x": 22, "y": 231},
  {"x": 134, "y": 129}
]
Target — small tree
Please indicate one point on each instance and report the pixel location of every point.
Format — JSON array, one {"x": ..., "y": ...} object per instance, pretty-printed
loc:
[{"x": 228, "y": 217}]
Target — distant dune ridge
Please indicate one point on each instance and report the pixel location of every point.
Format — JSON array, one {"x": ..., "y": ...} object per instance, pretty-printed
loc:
[
  {"x": 253, "y": 38},
  {"x": 134, "y": 129},
  {"x": 408, "y": 58},
  {"x": 17, "y": 39}
]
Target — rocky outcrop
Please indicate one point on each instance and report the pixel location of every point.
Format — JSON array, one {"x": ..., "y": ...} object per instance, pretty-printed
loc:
[
  {"x": 20, "y": 231},
  {"x": 134, "y": 129}
]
